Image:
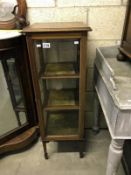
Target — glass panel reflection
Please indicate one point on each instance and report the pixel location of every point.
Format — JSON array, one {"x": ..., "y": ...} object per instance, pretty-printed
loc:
[
  {"x": 11, "y": 117},
  {"x": 13, "y": 75}
]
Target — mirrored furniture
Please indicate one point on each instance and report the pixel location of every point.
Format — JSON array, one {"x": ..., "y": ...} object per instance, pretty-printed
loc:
[
  {"x": 57, "y": 54},
  {"x": 17, "y": 108}
]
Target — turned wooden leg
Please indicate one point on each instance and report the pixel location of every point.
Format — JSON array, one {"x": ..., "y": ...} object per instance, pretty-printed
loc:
[
  {"x": 114, "y": 156},
  {"x": 45, "y": 150},
  {"x": 96, "y": 127}
]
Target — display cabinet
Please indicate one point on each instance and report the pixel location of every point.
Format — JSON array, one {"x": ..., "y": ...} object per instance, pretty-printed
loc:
[
  {"x": 17, "y": 107},
  {"x": 57, "y": 54}
]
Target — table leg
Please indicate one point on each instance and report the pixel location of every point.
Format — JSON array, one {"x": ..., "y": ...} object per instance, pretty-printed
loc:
[
  {"x": 96, "y": 126},
  {"x": 114, "y": 156}
]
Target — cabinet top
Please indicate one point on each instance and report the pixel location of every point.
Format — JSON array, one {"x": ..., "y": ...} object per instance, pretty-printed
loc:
[{"x": 57, "y": 27}]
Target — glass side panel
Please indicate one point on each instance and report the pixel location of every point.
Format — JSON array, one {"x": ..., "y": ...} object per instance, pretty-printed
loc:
[
  {"x": 10, "y": 117},
  {"x": 15, "y": 83},
  {"x": 62, "y": 123},
  {"x": 57, "y": 56}
]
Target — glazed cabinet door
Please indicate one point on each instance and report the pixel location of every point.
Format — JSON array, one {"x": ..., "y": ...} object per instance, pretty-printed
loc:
[{"x": 58, "y": 71}]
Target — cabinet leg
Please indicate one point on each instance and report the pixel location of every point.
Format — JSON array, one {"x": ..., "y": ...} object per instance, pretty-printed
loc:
[
  {"x": 114, "y": 156},
  {"x": 81, "y": 146},
  {"x": 96, "y": 127},
  {"x": 45, "y": 150}
]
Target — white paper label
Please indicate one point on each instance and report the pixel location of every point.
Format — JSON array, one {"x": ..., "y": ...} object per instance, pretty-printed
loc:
[
  {"x": 76, "y": 42},
  {"x": 46, "y": 45},
  {"x": 38, "y": 45}
]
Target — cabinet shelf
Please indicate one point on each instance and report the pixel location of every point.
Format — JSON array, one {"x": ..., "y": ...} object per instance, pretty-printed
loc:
[
  {"x": 62, "y": 123},
  {"x": 59, "y": 70},
  {"x": 62, "y": 99}
]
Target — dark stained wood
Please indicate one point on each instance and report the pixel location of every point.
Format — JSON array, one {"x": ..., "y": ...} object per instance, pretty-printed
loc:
[
  {"x": 9, "y": 44},
  {"x": 125, "y": 48},
  {"x": 126, "y": 160},
  {"x": 65, "y": 31},
  {"x": 55, "y": 35},
  {"x": 57, "y": 27},
  {"x": 19, "y": 142},
  {"x": 126, "y": 51},
  {"x": 82, "y": 81}
]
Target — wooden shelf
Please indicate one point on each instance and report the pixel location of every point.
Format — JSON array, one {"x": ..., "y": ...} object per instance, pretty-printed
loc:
[
  {"x": 62, "y": 99},
  {"x": 59, "y": 70},
  {"x": 62, "y": 123}
]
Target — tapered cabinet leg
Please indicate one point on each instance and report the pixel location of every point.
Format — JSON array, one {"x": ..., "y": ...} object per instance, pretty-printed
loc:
[
  {"x": 45, "y": 150},
  {"x": 81, "y": 147},
  {"x": 96, "y": 127},
  {"x": 114, "y": 156}
]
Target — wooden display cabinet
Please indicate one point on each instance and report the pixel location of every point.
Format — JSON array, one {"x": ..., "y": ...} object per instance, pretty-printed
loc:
[{"x": 57, "y": 54}]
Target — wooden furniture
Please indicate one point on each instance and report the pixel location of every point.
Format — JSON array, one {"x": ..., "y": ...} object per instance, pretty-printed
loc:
[
  {"x": 13, "y": 16},
  {"x": 57, "y": 54},
  {"x": 125, "y": 48},
  {"x": 17, "y": 108},
  {"x": 113, "y": 90}
]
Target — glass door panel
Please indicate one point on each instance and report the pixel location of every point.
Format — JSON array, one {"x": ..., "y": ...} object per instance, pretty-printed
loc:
[
  {"x": 58, "y": 70},
  {"x": 57, "y": 57},
  {"x": 62, "y": 123}
]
